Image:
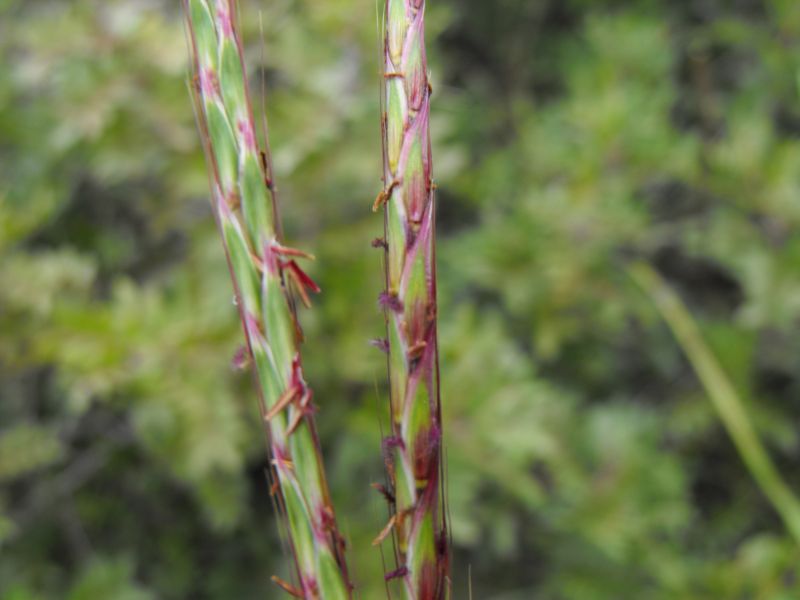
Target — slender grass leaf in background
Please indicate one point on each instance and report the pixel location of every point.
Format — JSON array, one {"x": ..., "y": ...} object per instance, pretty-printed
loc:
[{"x": 723, "y": 396}]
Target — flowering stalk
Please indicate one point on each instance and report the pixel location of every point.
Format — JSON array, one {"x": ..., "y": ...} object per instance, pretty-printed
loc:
[
  {"x": 414, "y": 449},
  {"x": 261, "y": 268}
]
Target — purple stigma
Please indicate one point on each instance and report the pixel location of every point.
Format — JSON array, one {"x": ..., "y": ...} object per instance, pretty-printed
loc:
[
  {"x": 381, "y": 344},
  {"x": 401, "y": 572},
  {"x": 240, "y": 359},
  {"x": 392, "y": 442},
  {"x": 390, "y": 301}
]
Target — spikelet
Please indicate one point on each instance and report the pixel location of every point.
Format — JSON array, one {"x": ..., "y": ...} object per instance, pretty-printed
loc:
[
  {"x": 261, "y": 268},
  {"x": 414, "y": 450}
]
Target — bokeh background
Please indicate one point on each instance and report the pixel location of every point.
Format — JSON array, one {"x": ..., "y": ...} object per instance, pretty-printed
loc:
[{"x": 571, "y": 137}]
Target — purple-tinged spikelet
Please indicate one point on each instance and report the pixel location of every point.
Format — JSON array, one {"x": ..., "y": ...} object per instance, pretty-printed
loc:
[
  {"x": 263, "y": 270},
  {"x": 413, "y": 452}
]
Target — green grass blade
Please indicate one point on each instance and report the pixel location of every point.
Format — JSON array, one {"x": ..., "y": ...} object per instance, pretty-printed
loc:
[{"x": 722, "y": 394}]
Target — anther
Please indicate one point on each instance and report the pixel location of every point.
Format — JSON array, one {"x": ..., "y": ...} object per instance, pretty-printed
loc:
[
  {"x": 381, "y": 344},
  {"x": 304, "y": 408},
  {"x": 383, "y": 491},
  {"x": 233, "y": 200},
  {"x": 380, "y": 200},
  {"x": 391, "y": 302},
  {"x": 384, "y": 195},
  {"x": 385, "y": 531},
  {"x": 416, "y": 350},
  {"x": 287, "y": 251},
  {"x": 287, "y": 587},
  {"x": 302, "y": 282},
  {"x": 284, "y": 401}
]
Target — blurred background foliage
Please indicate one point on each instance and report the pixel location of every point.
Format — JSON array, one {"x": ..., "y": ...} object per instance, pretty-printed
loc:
[{"x": 571, "y": 136}]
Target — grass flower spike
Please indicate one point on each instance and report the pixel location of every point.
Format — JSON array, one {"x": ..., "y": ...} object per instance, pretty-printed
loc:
[
  {"x": 415, "y": 446},
  {"x": 262, "y": 267}
]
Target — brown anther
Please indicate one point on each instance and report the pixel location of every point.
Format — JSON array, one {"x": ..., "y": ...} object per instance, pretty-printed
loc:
[
  {"x": 303, "y": 408},
  {"x": 380, "y": 200},
  {"x": 383, "y": 491},
  {"x": 287, "y": 587},
  {"x": 284, "y": 401},
  {"x": 384, "y": 195},
  {"x": 296, "y": 420},
  {"x": 393, "y": 75},
  {"x": 401, "y": 519},
  {"x": 286, "y": 251},
  {"x": 430, "y": 88},
  {"x": 274, "y": 488},
  {"x": 298, "y": 286},
  {"x": 234, "y": 200},
  {"x": 416, "y": 350},
  {"x": 385, "y": 531}
]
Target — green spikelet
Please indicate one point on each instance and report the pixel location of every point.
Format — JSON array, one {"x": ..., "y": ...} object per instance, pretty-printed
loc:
[
  {"x": 410, "y": 307},
  {"x": 260, "y": 268}
]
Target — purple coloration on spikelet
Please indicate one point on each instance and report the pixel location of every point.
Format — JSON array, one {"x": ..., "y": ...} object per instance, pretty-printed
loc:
[
  {"x": 241, "y": 359},
  {"x": 245, "y": 209},
  {"x": 270, "y": 260},
  {"x": 390, "y": 301},
  {"x": 413, "y": 452},
  {"x": 209, "y": 83},
  {"x": 224, "y": 18},
  {"x": 381, "y": 344},
  {"x": 247, "y": 134},
  {"x": 392, "y": 442},
  {"x": 253, "y": 328}
]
